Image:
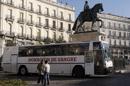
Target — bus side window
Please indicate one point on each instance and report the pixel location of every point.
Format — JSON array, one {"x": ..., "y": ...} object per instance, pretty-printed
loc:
[
  {"x": 84, "y": 47},
  {"x": 22, "y": 51},
  {"x": 96, "y": 45},
  {"x": 30, "y": 52}
]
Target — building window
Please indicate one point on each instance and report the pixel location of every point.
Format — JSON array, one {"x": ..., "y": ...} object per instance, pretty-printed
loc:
[
  {"x": 9, "y": 1},
  {"x": 70, "y": 17},
  {"x": 21, "y": 16},
  {"x": 39, "y": 9},
  {"x": 21, "y": 31},
  {"x": 10, "y": 13},
  {"x": 69, "y": 27},
  {"x": 124, "y": 27},
  {"x": 31, "y": 19},
  {"x": 114, "y": 25},
  {"x": 109, "y": 33},
  {"x": 47, "y": 11},
  {"x": 61, "y": 25},
  {"x": 31, "y": 32},
  {"x": 109, "y": 25},
  {"x": 61, "y": 14},
  {"x": 110, "y": 42},
  {"x": 54, "y": 13},
  {"x": 47, "y": 34},
  {"x": 39, "y": 20},
  {"x": 22, "y": 3},
  {"x": 39, "y": 33},
  {"x": 119, "y": 25},
  {"x": 10, "y": 28},
  {"x": 54, "y": 36},
  {"x": 62, "y": 35},
  {"x": 30, "y": 6},
  {"x": 46, "y": 22},
  {"x": 114, "y": 42},
  {"x": 54, "y": 24},
  {"x": 119, "y": 34}
]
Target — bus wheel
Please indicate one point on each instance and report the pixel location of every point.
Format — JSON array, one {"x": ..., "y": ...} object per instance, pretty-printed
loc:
[
  {"x": 23, "y": 70},
  {"x": 78, "y": 72}
]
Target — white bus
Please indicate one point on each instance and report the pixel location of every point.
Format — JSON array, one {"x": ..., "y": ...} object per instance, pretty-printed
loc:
[{"x": 76, "y": 59}]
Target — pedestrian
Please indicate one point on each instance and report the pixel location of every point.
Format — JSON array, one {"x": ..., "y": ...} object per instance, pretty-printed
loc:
[
  {"x": 46, "y": 73},
  {"x": 40, "y": 68}
]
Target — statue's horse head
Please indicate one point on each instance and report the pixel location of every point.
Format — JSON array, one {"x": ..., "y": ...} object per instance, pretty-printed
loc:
[{"x": 97, "y": 8}]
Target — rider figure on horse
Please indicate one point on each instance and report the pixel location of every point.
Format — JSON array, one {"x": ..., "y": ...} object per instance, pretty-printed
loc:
[{"x": 88, "y": 10}]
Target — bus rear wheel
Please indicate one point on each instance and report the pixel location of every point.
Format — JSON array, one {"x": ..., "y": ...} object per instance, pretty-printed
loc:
[
  {"x": 23, "y": 70},
  {"x": 78, "y": 72}
]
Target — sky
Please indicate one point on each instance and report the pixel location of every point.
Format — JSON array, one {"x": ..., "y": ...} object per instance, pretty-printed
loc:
[{"x": 116, "y": 7}]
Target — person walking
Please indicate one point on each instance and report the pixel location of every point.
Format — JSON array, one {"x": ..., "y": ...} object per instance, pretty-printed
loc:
[
  {"x": 46, "y": 73},
  {"x": 40, "y": 68}
]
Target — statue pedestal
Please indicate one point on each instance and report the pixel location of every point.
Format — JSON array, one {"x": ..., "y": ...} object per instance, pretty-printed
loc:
[{"x": 88, "y": 36}]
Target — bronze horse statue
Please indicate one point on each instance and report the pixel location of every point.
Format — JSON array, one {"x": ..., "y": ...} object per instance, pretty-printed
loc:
[{"x": 88, "y": 15}]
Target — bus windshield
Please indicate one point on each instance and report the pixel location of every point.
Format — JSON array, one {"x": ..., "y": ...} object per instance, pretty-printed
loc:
[{"x": 106, "y": 51}]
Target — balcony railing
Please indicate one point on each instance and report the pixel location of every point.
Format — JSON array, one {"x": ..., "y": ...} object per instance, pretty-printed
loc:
[
  {"x": 20, "y": 35},
  {"x": 10, "y": 34},
  {"x": 38, "y": 38},
  {"x": 10, "y": 3},
  {"x": 9, "y": 18},
  {"x": 21, "y": 21},
  {"x": 30, "y": 23},
  {"x": 61, "y": 29},
  {"x": 38, "y": 11},
  {"x": 46, "y": 26},
  {"x": 31, "y": 9},
  {"x": 53, "y": 27},
  {"x": 39, "y": 25},
  {"x": 69, "y": 31},
  {"x": 21, "y": 6},
  {"x": 2, "y": 33},
  {"x": 47, "y": 14}
]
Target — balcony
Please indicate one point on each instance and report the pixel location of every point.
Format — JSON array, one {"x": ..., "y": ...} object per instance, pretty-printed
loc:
[
  {"x": 47, "y": 14},
  {"x": 31, "y": 9},
  {"x": 61, "y": 29},
  {"x": 29, "y": 37},
  {"x": 69, "y": 31},
  {"x": 21, "y": 21},
  {"x": 54, "y": 16},
  {"x": 61, "y": 18},
  {"x": 9, "y": 18},
  {"x": 22, "y": 7},
  {"x": 10, "y": 3},
  {"x": 38, "y": 38},
  {"x": 46, "y": 26},
  {"x": 21, "y": 36},
  {"x": 2, "y": 33},
  {"x": 30, "y": 23},
  {"x": 10, "y": 34},
  {"x": 69, "y": 20},
  {"x": 53, "y": 28},
  {"x": 39, "y": 25},
  {"x": 39, "y": 12}
]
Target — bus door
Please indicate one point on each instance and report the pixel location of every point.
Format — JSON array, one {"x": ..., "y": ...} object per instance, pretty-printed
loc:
[
  {"x": 98, "y": 62},
  {"x": 13, "y": 63},
  {"x": 89, "y": 63}
]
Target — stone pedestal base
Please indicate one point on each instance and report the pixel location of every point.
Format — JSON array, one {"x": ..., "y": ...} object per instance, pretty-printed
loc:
[{"x": 88, "y": 36}]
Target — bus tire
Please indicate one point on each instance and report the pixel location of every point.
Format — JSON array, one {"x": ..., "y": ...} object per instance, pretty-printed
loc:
[
  {"x": 78, "y": 72},
  {"x": 23, "y": 70}
]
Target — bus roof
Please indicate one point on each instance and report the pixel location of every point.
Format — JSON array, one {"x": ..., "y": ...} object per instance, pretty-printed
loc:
[{"x": 60, "y": 43}]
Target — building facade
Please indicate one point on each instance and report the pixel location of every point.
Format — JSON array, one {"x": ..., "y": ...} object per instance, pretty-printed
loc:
[
  {"x": 24, "y": 22},
  {"x": 117, "y": 30}
]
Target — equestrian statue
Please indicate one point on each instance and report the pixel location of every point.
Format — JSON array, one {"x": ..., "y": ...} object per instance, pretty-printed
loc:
[{"x": 88, "y": 15}]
